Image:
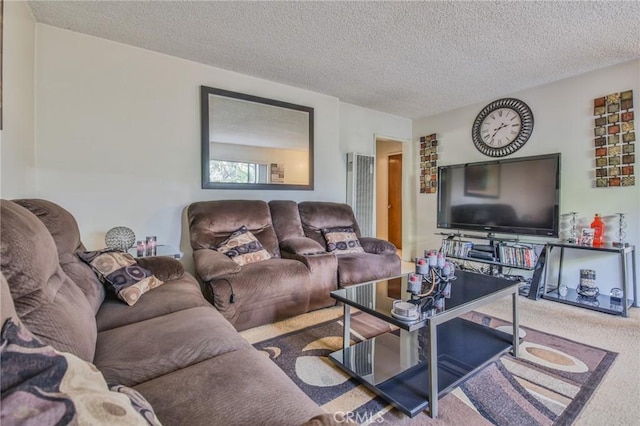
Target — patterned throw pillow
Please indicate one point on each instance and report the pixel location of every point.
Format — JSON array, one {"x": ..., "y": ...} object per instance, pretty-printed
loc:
[
  {"x": 41, "y": 386},
  {"x": 243, "y": 247},
  {"x": 138, "y": 402},
  {"x": 342, "y": 240},
  {"x": 121, "y": 274}
]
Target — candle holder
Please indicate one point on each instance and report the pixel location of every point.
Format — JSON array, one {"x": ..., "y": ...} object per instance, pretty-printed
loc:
[
  {"x": 573, "y": 227},
  {"x": 435, "y": 286},
  {"x": 151, "y": 245},
  {"x": 140, "y": 248},
  {"x": 621, "y": 235}
]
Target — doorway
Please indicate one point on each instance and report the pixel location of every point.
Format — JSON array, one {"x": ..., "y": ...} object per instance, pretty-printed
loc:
[
  {"x": 394, "y": 194},
  {"x": 389, "y": 190}
]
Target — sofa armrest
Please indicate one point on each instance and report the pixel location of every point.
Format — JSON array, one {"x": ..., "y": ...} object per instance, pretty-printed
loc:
[
  {"x": 211, "y": 264},
  {"x": 302, "y": 245},
  {"x": 163, "y": 267},
  {"x": 377, "y": 246}
]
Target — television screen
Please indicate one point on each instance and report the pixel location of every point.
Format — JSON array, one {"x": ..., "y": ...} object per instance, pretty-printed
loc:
[{"x": 514, "y": 196}]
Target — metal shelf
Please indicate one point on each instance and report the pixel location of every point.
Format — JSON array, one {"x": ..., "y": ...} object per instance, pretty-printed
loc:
[
  {"x": 383, "y": 365},
  {"x": 601, "y": 303},
  {"x": 537, "y": 269},
  {"x": 492, "y": 262}
]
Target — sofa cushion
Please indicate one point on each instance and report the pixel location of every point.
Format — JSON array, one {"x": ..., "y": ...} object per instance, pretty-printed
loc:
[
  {"x": 243, "y": 247},
  {"x": 144, "y": 350},
  {"x": 175, "y": 295},
  {"x": 286, "y": 219},
  {"x": 211, "y": 222},
  {"x": 342, "y": 240},
  {"x": 316, "y": 215},
  {"x": 64, "y": 229},
  {"x": 242, "y": 387},
  {"x": 43, "y": 386},
  {"x": 121, "y": 274},
  {"x": 51, "y": 305}
]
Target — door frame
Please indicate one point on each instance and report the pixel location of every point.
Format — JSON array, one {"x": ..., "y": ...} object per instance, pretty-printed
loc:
[{"x": 408, "y": 188}]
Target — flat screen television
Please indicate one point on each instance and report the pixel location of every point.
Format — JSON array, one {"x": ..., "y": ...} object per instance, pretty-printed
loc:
[{"x": 513, "y": 196}]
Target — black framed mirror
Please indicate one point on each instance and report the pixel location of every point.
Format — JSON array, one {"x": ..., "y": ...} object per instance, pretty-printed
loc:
[{"x": 249, "y": 142}]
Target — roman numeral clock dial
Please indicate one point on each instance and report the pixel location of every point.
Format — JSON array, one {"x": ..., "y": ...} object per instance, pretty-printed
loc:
[{"x": 502, "y": 127}]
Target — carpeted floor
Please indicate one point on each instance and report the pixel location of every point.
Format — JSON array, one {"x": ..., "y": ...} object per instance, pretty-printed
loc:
[{"x": 549, "y": 384}]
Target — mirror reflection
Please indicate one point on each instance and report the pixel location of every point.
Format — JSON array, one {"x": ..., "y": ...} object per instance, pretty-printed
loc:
[{"x": 250, "y": 142}]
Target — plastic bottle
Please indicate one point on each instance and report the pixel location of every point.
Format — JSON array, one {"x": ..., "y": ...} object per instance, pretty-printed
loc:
[{"x": 598, "y": 231}]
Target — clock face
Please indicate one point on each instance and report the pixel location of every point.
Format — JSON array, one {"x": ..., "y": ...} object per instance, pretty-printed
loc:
[{"x": 502, "y": 127}]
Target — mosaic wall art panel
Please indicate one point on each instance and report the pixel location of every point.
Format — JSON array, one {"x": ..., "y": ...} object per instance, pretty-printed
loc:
[
  {"x": 428, "y": 164},
  {"x": 615, "y": 139}
]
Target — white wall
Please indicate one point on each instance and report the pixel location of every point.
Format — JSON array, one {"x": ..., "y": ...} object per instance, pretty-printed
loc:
[
  {"x": 118, "y": 135},
  {"x": 563, "y": 114},
  {"x": 18, "y": 165},
  {"x": 359, "y": 128}
]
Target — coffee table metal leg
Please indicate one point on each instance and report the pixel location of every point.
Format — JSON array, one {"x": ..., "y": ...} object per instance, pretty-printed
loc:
[
  {"x": 516, "y": 326},
  {"x": 346, "y": 336},
  {"x": 433, "y": 369}
]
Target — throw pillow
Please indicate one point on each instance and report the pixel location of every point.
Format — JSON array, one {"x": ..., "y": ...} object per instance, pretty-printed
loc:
[
  {"x": 43, "y": 386},
  {"x": 342, "y": 240},
  {"x": 243, "y": 247},
  {"x": 121, "y": 274},
  {"x": 138, "y": 402}
]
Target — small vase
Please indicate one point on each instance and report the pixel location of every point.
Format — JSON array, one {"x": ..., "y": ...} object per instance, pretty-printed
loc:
[{"x": 563, "y": 290}]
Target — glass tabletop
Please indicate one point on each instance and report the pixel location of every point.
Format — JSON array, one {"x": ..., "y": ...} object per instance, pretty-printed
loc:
[
  {"x": 377, "y": 297},
  {"x": 161, "y": 250}
]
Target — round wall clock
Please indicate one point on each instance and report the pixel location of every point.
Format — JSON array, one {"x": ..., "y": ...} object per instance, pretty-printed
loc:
[{"x": 502, "y": 127}]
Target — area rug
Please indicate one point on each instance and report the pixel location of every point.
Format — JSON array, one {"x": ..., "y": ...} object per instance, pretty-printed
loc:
[{"x": 548, "y": 384}]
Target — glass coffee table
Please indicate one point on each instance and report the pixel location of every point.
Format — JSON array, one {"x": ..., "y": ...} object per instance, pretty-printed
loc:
[{"x": 398, "y": 365}]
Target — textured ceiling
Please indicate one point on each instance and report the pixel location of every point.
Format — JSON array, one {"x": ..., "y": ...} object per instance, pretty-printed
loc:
[{"x": 413, "y": 59}]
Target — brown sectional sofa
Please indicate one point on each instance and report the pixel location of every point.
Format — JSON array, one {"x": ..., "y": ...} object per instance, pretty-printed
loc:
[
  {"x": 172, "y": 346},
  {"x": 300, "y": 274}
]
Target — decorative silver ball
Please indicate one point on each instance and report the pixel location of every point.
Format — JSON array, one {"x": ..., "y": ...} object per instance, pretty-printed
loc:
[{"x": 120, "y": 238}]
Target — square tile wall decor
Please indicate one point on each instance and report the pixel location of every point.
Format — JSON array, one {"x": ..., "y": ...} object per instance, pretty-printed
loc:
[
  {"x": 428, "y": 164},
  {"x": 614, "y": 140}
]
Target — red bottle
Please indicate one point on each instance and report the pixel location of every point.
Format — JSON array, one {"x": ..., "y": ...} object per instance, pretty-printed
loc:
[{"x": 598, "y": 231}]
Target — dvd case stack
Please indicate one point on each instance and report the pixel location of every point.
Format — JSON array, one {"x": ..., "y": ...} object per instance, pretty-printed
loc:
[
  {"x": 456, "y": 248},
  {"x": 521, "y": 256}
]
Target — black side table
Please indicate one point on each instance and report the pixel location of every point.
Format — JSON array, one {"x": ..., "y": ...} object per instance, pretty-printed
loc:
[{"x": 602, "y": 303}]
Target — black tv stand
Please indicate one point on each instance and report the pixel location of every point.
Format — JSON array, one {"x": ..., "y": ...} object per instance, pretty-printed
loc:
[{"x": 500, "y": 253}]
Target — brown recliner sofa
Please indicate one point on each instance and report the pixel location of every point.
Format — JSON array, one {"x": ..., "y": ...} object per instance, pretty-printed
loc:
[
  {"x": 379, "y": 260},
  {"x": 300, "y": 274},
  {"x": 261, "y": 292},
  {"x": 172, "y": 346}
]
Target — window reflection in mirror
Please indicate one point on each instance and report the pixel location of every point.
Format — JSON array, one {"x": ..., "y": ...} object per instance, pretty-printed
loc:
[{"x": 250, "y": 142}]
